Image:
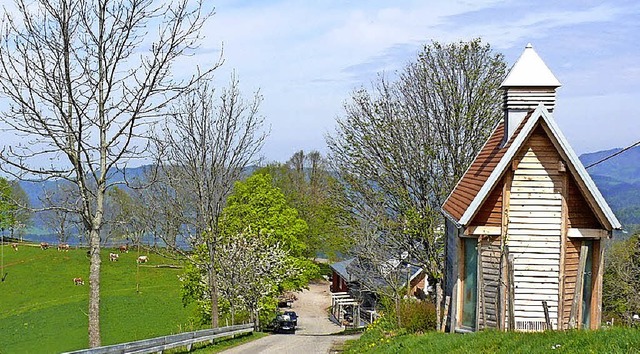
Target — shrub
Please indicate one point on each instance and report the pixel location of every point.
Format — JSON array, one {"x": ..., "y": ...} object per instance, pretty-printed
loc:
[
  {"x": 621, "y": 288},
  {"x": 417, "y": 316}
]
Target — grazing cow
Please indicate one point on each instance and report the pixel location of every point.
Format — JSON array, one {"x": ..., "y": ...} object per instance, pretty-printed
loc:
[
  {"x": 44, "y": 245},
  {"x": 113, "y": 257},
  {"x": 142, "y": 259},
  {"x": 124, "y": 249},
  {"x": 14, "y": 246},
  {"x": 63, "y": 247},
  {"x": 78, "y": 281}
]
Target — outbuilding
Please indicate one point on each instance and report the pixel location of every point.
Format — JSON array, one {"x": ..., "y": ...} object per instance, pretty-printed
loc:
[{"x": 525, "y": 225}]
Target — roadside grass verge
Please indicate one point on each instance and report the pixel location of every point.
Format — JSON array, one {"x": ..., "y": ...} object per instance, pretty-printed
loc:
[
  {"x": 613, "y": 340},
  {"x": 42, "y": 311}
]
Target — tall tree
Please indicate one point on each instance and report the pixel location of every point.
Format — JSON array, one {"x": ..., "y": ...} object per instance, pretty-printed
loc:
[
  {"x": 211, "y": 139},
  {"x": 309, "y": 187},
  {"x": 83, "y": 78},
  {"x": 400, "y": 147},
  {"x": 257, "y": 204}
]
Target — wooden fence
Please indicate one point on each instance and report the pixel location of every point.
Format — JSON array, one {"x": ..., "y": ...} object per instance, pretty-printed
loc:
[{"x": 159, "y": 344}]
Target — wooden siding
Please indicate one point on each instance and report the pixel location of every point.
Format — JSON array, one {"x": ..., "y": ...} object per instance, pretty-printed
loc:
[
  {"x": 571, "y": 259},
  {"x": 579, "y": 213},
  {"x": 534, "y": 231},
  {"x": 489, "y": 261},
  {"x": 490, "y": 213}
]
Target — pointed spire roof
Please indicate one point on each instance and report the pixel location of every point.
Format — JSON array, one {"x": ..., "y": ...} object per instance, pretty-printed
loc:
[{"x": 529, "y": 70}]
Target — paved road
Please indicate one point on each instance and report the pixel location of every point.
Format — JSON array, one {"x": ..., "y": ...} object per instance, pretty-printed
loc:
[{"x": 313, "y": 334}]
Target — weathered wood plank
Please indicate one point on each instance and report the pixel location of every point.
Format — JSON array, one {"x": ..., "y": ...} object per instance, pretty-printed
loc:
[
  {"x": 535, "y": 232},
  {"x": 483, "y": 230},
  {"x": 539, "y": 280},
  {"x": 574, "y": 318},
  {"x": 529, "y": 213},
  {"x": 538, "y": 267},
  {"x": 534, "y": 238},
  {"x": 536, "y": 196},
  {"x": 537, "y": 290},
  {"x": 541, "y": 205},
  {"x": 534, "y": 244},
  {"x": 534, "y": 220},
  {"x": 581, "y": 232}
]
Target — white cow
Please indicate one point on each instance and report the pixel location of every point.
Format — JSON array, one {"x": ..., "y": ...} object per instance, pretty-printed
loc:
[
  {"x": 142, "y": 259},
  {"x": 113, "y": 257}
]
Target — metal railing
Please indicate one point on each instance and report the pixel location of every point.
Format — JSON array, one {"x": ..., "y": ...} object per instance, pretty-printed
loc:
[{"x": 159, "y": 344}]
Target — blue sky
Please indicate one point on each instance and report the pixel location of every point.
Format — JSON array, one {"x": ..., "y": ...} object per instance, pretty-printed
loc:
[{"x": 307, "y": 56}]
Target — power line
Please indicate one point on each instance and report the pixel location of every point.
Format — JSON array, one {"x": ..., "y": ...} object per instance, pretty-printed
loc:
[{"x": 613, "y": 155}]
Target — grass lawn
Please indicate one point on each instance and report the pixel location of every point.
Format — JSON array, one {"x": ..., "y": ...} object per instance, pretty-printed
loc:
[
  {"x": 615, "y": 340},
  {"x": 42, "y": 311}
]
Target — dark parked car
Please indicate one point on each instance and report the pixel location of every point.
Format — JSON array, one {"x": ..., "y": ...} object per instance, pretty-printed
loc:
[
  {"x": 292, "y": 316},
  {"x": 284, "y": 325}
]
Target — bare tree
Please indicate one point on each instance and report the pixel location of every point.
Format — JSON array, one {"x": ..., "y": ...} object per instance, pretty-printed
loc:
[
  {"x": 209, "y": 142},
  {"x": 83, "y": 78},
  {"x": 401, "y": 147}
]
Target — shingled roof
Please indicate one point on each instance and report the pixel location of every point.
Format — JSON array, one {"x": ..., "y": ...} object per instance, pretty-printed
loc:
[{"x": 493, "y": 160}]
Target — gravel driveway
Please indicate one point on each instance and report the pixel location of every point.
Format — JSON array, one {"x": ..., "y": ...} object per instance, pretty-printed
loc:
[{"x": 313, "y": 334}]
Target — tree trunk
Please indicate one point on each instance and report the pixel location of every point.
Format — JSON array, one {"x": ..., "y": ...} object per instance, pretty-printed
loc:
[
  {"x": 214, "y": 295},
  {"x": 94, "y": 289},
  {"x": 256, "y": 320},
  {"x": 438, "y": 300},
  {"x": 397, "y": 303}
]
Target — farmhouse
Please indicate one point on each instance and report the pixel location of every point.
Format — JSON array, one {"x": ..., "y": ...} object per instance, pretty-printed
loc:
[
  {"x": 525, "y": 224},
  {"x": 355, "y": 296}
]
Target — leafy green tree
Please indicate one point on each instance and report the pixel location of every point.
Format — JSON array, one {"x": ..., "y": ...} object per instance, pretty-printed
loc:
[
  {"x": 260, "y": 234},
  {"x": 257, "y": 203},
  {"x": 310, "y": 188}
]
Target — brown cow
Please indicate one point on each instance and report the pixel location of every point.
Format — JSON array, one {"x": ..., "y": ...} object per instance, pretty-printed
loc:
[
  {"x": 44, "y": 245},
  {"x": 63, "y": 247},
  {"x": 78, "y": 281},
  {"x": 124, "y": 249},
  {"x": 113, "y": 257},
  {"x": 14, "y": 246},
  {"x": 142, "y": 259}
]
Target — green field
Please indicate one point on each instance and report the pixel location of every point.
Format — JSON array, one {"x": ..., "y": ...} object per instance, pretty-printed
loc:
[{"x": 42, "y": 311}]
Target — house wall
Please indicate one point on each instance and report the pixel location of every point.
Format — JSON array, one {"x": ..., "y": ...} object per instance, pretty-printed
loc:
[
  {"x": 534, "y": 231},
  {"x": 338, "y": 284},
  {"x": 418, "y": 282},
  {"x": 572, "y": 256},
  {"x": 491, "y": 212},
  {"x": 579, "y": 215},
  {"x": 489, "y": 284}
]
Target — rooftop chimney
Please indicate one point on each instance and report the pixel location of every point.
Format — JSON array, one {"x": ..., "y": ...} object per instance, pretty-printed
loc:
[{"x": 529, "y": 83}]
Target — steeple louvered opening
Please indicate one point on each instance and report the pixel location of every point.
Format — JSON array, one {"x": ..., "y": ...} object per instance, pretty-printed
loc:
[{"x": 528, "y": 84}]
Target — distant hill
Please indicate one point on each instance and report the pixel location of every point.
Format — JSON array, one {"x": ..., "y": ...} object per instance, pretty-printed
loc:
[
  {"x": 622, "y": 168},
  {"x": 619, "y": 182}
]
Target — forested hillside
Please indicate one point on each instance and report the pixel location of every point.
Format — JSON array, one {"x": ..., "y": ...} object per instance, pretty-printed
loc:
[{"x": 618, "y": 179}]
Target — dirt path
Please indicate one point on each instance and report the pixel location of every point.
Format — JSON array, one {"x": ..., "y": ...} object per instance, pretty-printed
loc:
[{"x": 313, "y": 334}]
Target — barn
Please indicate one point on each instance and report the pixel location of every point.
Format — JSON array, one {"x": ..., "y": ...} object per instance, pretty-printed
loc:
[{"x": 525, "y": 225}]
